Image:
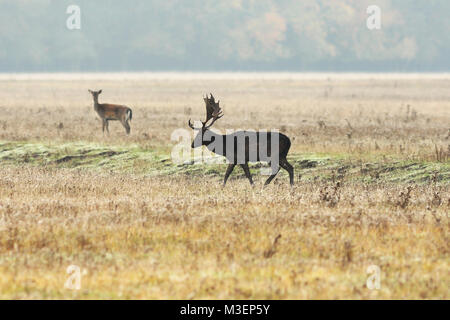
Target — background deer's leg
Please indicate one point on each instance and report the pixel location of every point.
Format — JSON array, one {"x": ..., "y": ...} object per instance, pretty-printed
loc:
[
  {"x": 107, "y": 126},
  {"x": 247, "y": 172},
  {"x": 103, "y": 125},
  {"x": 272, "y": 176},
  {"x": 227, "y": 174},
  {"x": 288, "y": 167},
  {"x": 126, "y": 125}
]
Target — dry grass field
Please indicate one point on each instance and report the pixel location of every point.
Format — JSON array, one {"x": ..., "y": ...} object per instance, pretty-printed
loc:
[{"x": 372, "y": 187}]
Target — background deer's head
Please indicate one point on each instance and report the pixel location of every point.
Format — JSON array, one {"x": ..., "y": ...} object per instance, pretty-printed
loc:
[{"x": 95, "y": 94}]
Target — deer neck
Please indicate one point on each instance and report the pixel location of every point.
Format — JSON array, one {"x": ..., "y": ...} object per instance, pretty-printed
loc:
[
  {"x": 217, "y": 144},
  {"x": 96, "y": 104}
]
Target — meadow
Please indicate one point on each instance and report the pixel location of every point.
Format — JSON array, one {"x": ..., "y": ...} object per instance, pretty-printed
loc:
[{"x": 372, "y": 188}]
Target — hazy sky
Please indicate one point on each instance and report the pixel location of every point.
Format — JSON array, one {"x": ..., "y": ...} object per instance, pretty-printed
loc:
[{"x": 213, "y": 35}]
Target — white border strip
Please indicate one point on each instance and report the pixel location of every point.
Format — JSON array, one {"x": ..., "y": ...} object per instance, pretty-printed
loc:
[{"x": 120, "y": 76}]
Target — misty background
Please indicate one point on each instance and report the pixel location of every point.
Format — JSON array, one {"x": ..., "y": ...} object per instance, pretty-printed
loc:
[{"x": 224, "y": 35}]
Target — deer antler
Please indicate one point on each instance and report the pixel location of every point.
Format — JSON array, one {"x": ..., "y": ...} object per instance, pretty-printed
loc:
[{"x": 213, "y": 111}]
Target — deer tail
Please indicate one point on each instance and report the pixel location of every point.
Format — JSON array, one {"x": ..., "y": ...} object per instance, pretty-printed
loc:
[{"x": 129, "y": 115}]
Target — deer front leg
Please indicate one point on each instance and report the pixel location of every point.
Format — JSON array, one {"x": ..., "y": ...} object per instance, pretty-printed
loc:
[
  {"x": 227, "y": 174},
  {"x": 103, "y": 125},
  {"x": 107, "y": 126},
  {"x": 247, "y": 172}
]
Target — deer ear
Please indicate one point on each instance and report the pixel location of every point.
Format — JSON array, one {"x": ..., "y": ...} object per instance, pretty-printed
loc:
[{"x": 100, "y": 91}]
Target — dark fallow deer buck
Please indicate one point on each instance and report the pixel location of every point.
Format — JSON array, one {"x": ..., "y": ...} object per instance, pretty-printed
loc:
[
  {"x": 241, "y": 147},
  {"x": 109, "y": 112}
]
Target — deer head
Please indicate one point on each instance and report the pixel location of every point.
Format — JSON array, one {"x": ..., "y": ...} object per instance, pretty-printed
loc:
[
  {"x": 213, "y": 112},
  {"x": 95, "y": 94}
]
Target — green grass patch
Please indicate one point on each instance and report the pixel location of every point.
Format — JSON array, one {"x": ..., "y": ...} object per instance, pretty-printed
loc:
[{"x": 139, "y": 160}]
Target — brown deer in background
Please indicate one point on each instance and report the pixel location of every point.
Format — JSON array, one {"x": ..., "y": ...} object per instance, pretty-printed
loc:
[
  {"x": 108, "y": 112},
  {"x": 242, "y": 147}
]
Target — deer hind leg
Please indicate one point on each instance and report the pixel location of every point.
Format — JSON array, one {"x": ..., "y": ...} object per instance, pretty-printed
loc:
[
  {"x": 103, "y": 125},
  {"x": 247, "y": 172},
  {"x": 126, "y": 125},
  {"x": 227, "y": 174},
  {"x": 274, "y": 173},
  {"x": 287, "y": 166}
]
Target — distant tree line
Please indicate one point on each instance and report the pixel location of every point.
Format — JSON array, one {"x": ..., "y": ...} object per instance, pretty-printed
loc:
[{"x": 142, "y": 35}]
